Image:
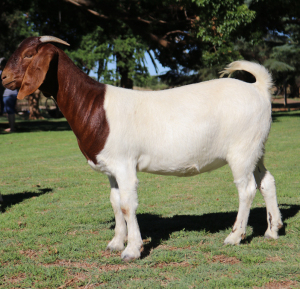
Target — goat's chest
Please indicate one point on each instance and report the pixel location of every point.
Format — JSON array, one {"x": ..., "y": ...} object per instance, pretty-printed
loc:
[{"x": 91, "y": 145}]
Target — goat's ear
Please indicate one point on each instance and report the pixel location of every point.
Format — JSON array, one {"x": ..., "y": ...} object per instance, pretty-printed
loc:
[{"x": 37, "y": 70}]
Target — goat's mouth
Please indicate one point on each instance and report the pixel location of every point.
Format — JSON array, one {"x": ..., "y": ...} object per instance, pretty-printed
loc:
[{"x": 9, "y": 84}]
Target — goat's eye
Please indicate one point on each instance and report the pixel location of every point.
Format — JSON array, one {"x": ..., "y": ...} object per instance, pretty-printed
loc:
[{"x": 28, "y": 56}]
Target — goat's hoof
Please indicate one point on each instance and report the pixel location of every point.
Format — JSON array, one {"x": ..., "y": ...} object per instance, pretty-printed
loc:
[
  {"x": 233, "y": 239},
  {"x": 112, "y": 249},
  {"x": 280, "y": 225},
  {"x": 271, "y": 235},
  {"x": 227, "y": 243},
  {"x": 115, "y": 246},
  {"x": 127, "y": 258},
  {"x": 130, "y": 254}
]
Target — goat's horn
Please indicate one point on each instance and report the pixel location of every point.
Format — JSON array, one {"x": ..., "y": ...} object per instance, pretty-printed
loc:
[{"x": 53, "y": 39}]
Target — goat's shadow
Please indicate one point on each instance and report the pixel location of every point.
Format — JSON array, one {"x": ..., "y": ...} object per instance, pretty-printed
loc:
[
  {"x": 159, "y": 228},
  {"x": 13, "y": 199}
]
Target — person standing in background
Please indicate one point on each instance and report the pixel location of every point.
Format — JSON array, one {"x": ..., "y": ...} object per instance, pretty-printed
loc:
[
  {"x": 2, "y": 64},
  {"x": 9, "y": 102},
  {"x": 1, "y": 101}
]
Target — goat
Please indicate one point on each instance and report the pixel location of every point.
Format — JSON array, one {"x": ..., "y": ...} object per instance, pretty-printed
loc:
[{"x": 182, "y": 131}]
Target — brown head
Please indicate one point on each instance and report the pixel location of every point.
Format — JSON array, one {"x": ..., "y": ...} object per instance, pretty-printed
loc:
[{"x": 27, "y": 67}]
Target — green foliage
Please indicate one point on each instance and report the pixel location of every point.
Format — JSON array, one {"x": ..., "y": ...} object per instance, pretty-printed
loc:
[
  {"x": 272, "y": 39},
  {"x": 278, "y": 66},
  {"x": 276, "y": 54},
  {"x": 129, "y": 51},
  {"x": 285, "y": 62},
  {"x": 191, "y": 38},
  {"x": 150, "y": 82},
  {"x": 209, "y": 42},
  {"x": 225, "y": 17},
  {"x": 14, "y": 28},
  {"x": 93, "y": 49},
  {"x": 96, "y": 51}
]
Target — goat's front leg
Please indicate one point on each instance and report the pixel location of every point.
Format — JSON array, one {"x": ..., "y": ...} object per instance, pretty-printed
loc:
[
  {"x": 247, "y": 189},
  {"x": 129, "y": 201},
  {"x": 117, "y": 243}
]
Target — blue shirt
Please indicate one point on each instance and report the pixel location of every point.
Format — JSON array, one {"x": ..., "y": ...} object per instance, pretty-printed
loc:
[{"x": 9, "y": 92}]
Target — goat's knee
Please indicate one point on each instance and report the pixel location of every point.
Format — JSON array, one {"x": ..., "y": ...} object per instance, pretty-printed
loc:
[{"x": 267, "y": 186}]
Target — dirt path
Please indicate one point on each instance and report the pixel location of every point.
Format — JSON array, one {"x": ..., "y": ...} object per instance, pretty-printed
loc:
[{"x": 292, "y": 104}]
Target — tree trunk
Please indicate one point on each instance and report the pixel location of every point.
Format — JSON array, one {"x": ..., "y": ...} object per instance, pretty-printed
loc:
[
  {"x": 294, "y": 90},
  {"x": 126, "y": 82},
  {"x": 33, "y": 101},
  {"x": 285, "y": 95}
]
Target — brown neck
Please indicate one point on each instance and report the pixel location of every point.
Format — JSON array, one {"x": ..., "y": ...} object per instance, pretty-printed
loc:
[{"x": 81, "y": 100}]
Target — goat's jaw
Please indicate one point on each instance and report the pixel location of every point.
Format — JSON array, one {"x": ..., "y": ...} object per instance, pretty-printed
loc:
[
  {"x": 9, "y": 83},
  {"x": 7, "y": 79}
]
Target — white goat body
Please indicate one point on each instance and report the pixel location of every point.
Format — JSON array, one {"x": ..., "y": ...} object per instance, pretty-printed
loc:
[{"x": 186, "y": 131}]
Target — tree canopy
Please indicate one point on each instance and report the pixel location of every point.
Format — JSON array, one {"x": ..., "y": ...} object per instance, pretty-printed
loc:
[
  {"x": 193, "y": 38},
  {"x": 184, "y": 35}
]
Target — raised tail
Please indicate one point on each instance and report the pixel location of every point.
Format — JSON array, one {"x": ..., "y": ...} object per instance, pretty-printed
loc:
[{"x": 263, "y": 77}]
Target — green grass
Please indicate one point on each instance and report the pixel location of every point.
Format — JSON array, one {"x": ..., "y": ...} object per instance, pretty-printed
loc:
[{"x": 57, "y": 219}]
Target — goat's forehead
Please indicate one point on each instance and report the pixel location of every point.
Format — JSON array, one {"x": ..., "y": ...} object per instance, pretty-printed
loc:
[{"x": 31, "y": 41}]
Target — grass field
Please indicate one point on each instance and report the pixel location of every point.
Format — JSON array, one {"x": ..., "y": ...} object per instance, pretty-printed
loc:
[{"x": 57, "y": 219}]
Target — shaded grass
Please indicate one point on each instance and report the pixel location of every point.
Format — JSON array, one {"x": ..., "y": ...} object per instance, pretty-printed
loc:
[{"x": 57, "y": 220}]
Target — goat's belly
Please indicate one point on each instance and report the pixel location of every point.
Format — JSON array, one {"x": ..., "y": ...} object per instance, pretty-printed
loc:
[{"x": 148, "y": 165}]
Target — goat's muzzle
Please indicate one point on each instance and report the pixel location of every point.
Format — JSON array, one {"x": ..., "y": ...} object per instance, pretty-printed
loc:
[{"x": 8, "y": 80}]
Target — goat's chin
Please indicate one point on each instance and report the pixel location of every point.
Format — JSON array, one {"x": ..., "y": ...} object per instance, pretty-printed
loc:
[{"x": 10, "y": 85}]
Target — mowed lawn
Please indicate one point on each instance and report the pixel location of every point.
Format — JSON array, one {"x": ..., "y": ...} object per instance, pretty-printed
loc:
[{"x": 57, "y": 219}]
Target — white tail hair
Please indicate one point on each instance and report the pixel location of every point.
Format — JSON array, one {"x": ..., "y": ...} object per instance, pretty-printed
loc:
[{"x": 263, "y": 77}]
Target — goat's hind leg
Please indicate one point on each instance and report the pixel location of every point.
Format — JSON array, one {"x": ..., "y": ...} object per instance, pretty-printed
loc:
[
  {"x": 266, "y": 184},
  {"x": 246, "y": 188},
  {"x": 117, "y": 243}
]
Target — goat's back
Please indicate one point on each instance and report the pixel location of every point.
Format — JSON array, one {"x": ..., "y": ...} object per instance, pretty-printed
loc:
[{"x": 189, "y": 129}]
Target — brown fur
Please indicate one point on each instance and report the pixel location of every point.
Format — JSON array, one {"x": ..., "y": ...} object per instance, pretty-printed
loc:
[{"x": 79, "y": 97}]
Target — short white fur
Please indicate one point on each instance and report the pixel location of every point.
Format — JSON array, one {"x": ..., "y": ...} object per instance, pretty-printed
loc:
[{"x": 187, "y": 131}]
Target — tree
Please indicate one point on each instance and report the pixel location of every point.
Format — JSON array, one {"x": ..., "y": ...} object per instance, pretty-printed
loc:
[
  {"x": 129, "y": 52},
  {"x": 91, "y": 44},
  {"x": 284, "y": 62},
  {"x": 14, "y": 25},
  {"x": 92, "y": 50},
  {"x": 272, "y": 39},
  {"x": 96, "y": 51},
  {"x": 184, "y": 35},
  {"x": 192, "y": 38}
]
